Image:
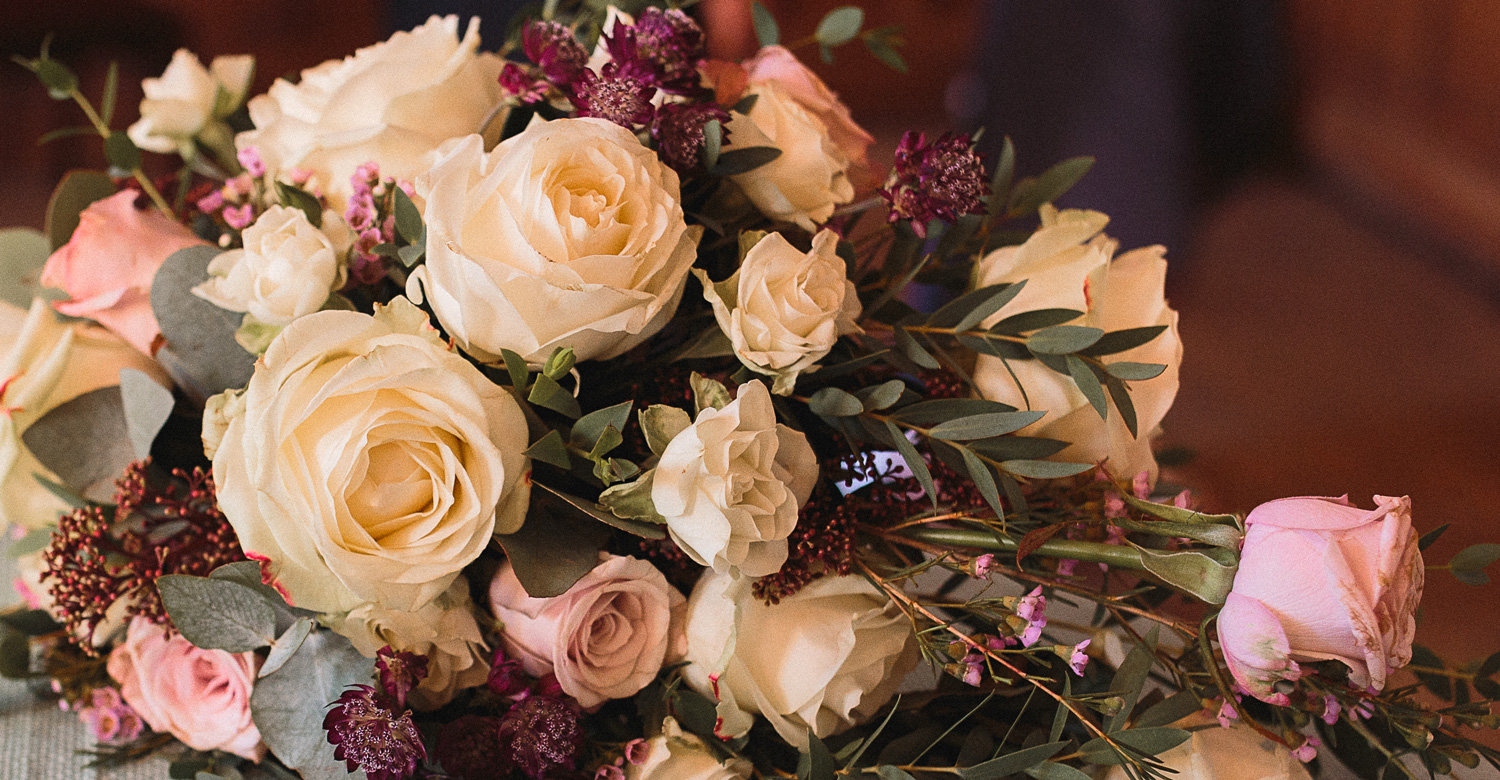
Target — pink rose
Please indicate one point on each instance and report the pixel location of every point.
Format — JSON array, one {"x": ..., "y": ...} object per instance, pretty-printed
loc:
[
  {"x": 1321, "y": 579},
  {"x": 777, "y": 64},
  {"x": 201, "y": 697},
  {"x": 108, "y": 264},
  {"x": 606, "y": 638}
]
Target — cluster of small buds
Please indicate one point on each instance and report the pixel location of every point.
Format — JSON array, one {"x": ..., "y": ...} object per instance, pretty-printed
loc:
[
  {"x": 942, "y": 180},
  {"x": 371, "y": 215},
  {"x": 1075, "y": 656},
  {"x": 542, "y": 736},
  {"x": 1030, "y": 611},
  {"x": 678, "y": 131},
  {"x": 635, "y": 752},
  {"x": 108, "y": 717},
  {"x": 364, "y": 727}
]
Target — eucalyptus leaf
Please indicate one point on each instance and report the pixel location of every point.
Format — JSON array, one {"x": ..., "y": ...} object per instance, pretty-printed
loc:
[
  {"x": 1044, "y": 469},
  {"x": 288, "y": 706},
  {"x": 1195, "y": 572},
  {"x": 661, "y": 424},
  {"x": 550, "y": 449},
  {"x": 1468, "y": 566},
  {"x": 587, "y": 431},
  {"x": 767, "y": 33},
  {"x": 1088, "y": 384},
  {"x": 121, "y": 152},
  {"x": 929, "y": 413},
  {"x": 1011, "y": 763},
  {"x": 882, "y": 49},
  {"x": 883, "y": 395},
  {"x": 77, "y": 191},
  {"x": 1003, "y": 294},
  {"x": 147, "y": 405},
  {"x": 554, "y": 549},
  {"x": 632, "y": 501},
  {"x": 1016, "y": 324},
  {"x": 295, "y": 197},
  {"x": 914, "y": 351},
  {"x": 409, "y": 219},
  {"x": 840, "y": 25},
  {"x": 1062, "y": 339},
  {"x": 708, "y": 393},
  {"x": 1169, "y": 710},
  {"x": 1432, "y": 536},
  {"x": 1005, "y": 172},
  {"x": 734, "y": 162},
  {"x": 1122, "y": 340},
  {"x": 200, "y": 348},
  {"x": 1005, "y": 448},
  {"x": 546, "y": 392},
  {"x": 1130, "y": 678},
  {"x": 1135, "y": 372},
  {"x": 817, "y": 761},
  {"x": 833, "y": 402},
  {"x": 1056, "y": 771},
  {"x": 515, "y": 366},
  {"x": 23, "y": 252},
  {"x": 1149, "y": 741},
  {"x": 1030, "y": 194},
  {"x": 286, "y": 645},
  {"x": 35, "y": 540},
  {"x": 85, "y": 442},
  {"x": 217, "y": 614},
  {"x": 713, "y": 142},
  {"x": 913, "y": 460},
  {"x": 983, "y": 426}
]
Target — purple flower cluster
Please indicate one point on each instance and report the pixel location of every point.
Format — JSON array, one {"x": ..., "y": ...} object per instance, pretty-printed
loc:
[
  {"x": 109, "y": 717},
  {"x": 371, "y": 215},
  {"x": 365, "y": 729},
  {"x": 539, "y": 735},
  {"x": 942, "y": 180}
]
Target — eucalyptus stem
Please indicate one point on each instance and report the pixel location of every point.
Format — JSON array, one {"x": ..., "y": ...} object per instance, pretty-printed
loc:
[
  {"x": 104, "y": 132},
  {"x": 1114, "y": 555}
]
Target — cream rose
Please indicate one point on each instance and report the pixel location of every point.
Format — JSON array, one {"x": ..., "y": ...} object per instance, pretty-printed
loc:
[
  {"x": 1067, "y": 264},
  {"x": 47, "y": 363},
  {"x": 190, "y": 102},
  {"x": 568, "y": 234},
  {"x": 826, "y": 657},
  {"x": 784, "y": 309},
  {"x": 286, "y": 270},
  {"x": 444, "y": 630},
  {"x": 392, "y": 103},
  {"x": 368, "y": 462},
  {"x": 730, "y": 485},
  {"x": 678, "y": 755},
  {"x": 1227, "y": 754},
  {"x": 605, "y": 638},
  {"x": 810, "y": 178},
  {"x": 778, "y": 65}
]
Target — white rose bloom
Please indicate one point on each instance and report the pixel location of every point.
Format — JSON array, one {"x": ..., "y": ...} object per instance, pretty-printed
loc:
[
  {"x": 444, "y": 630},
  {"x": 568, "y": 234},
  {"x": 46, "y": 363},
  {"x": 368, "y": 462},
  {"x": 1067, "y": 264},
  {"x": 1227, "y": 754},
  {"x": 809, "y": 179},
  {"x": 678, "y": 755},
  {"x": 730, "y": 485},
  {"x": 827, "y": 657},
  {"x": 784, "y": 309},
  {"x": 392, "y": 103},
  {"x": 189, "y": 101},
  {"x": 286, "y": 270}
]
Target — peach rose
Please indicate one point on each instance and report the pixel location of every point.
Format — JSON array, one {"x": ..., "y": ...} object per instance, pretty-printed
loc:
[
  {"x": 109, "y": 263},
  {"x": 777, "y": 64},
  {"x": 1321, "y": 579},
  {"x": 606, "y": 638},
  {"x": 201, "y": 697}
]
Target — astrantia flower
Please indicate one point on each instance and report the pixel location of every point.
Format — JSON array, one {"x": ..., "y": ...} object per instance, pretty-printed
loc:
[
  {"x": 555, "y": 51},
  {"x": 523, "y": 82},
  {"x": 369, "y": 736},
  {"x": 541, "y": 735},
  {"x": 678, "y": 130},
  {"x": 506, "y": 677},
  {"x": 468, "y": 748},
  {"x": 622, "y": 90},
  {"x": 399, "y": 672},
  {"x": 941, "y": 180},
  {"x": 672, "y": 41}
]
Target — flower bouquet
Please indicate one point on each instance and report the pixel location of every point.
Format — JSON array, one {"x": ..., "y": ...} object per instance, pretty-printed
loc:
[{"x": 568, "y": 412}]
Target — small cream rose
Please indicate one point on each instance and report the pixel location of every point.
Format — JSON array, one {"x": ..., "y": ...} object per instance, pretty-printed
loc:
[
  {"x": 46, "y": 363},
  {"x": 367, "y": 462},
  {"x": 810, "y": 178},
  {"x": 678, "y": 755},
  {"x": 570, "y": 234},
  {"x": 445, "y": 631},
  {"x": 1069, "y": 264},
  {"x": 730, "y": 485},
  {"x": 825, "y": 658},
  {"x": 189, "y": 102},
  {"x": 392, "y": 103},
  {"x": 1236, "y": 753},
  {"x": 605, "y": 638},
  {"x": 286, "y": 270},
  {"x": 784, "y": 309}
]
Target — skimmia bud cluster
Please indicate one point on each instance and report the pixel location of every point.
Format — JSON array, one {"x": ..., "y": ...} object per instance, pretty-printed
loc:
[
  {"x": 942, "y": 180},
  {"x": 100, "y": 556}
]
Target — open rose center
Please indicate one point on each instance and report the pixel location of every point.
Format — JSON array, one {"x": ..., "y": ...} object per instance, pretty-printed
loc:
[{"x": 397, "y": 485}]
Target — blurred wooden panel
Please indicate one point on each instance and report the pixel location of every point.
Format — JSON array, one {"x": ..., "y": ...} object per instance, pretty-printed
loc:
[{"x": 1399, "y": 98}]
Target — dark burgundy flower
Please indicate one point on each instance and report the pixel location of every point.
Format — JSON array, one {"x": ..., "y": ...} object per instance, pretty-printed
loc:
[
  {"x": 673, "y": 42},
  {"x": 523, "y": 82},
  {"x": 555, "y": 51},
  {"x": 398, "y": 673},
  {"x": 941, "y": 180},
  {"x": 368, "y": 735},
  {"x": 622, "y": 90},
  {"x": 469, "y": 749},
  {"x": 542, "y": 735},
  {"x": 678, "y": 130},
  {"x": 506, "y": 677}
]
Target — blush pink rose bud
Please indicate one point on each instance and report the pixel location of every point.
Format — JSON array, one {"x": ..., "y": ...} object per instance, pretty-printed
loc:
[
  {"x": 201, "y": 697},
  {"x": 605, "y": 638},
  {"x": 777, "y": 64},
  {"x": 1321, "y": 579},
  {"x": 106, "y": 268}
]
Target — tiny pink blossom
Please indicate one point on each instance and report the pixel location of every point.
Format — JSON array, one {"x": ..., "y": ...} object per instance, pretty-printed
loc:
[
  {"x": 211, "y": 202},
  {"x": 1077, "y": 659},
  {"x": 33, "y": 601},
  {"x": 1141, "y": 485},
  {"x": 299, "y": 176},
  {"x": 974, "y": 671},
  {"x": 250, "y": 158},
  {"x": 239, "y": 217},
  {"x": 1114, "y": 506},
  {"x": 1066, "y": 566},
  {"x": 983, "y": 564},
  {"x": 1227, "y": 714},
  {"x": 609, "y": 772},
  {"x": 1330, "y": 709},
  {"x": 1183, "y": 500},
  {"x": 239, "y": 187},
  {"x": 1308, "y": 750},
  {"x": 637, "y": 751}
]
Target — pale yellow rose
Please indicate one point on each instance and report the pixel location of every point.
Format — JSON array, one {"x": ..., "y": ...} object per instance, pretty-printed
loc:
[
  {"x": 286, "y": 270},
  {"x": 810, "y": 178},
  {"x": 1227, "y": 754},
  {"x": 189, "y": 101},
  {"x": 678, "y": 755}
]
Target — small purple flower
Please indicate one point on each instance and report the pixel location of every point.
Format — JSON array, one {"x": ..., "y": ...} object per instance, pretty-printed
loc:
[
  {"x": 368, "y": 735},
  {"x": 506, "y": 678},
  {"x": 249, "y": 157},
  {"x": 678, "y": 130},
  {"x": 622, "y": 90},
  {"x": 1331, "y": 709},
  {"x": 1308, "y": 750},
  {"x": 1227, "y": 714},
  {"x": 609, "y": 772},
  {"x": 211, "y": 202},
  {"x": 939, "y": 180},
  {"x": 555, "y": 50},
  {"x": 1031, "y": 610},
  {"x": 1077, "y": 659},
  {"x": 983, "y": 564},
  {"x": 468, "y": 748},
  {"x": 239, "y": 217},
  {"x": 542, "y": 736},
  {"x": 673, "y": 42},
  {"x": 637, "y": 751},
  {"x": 973, "y": 669},
  {"x": 523, "y": 82}
]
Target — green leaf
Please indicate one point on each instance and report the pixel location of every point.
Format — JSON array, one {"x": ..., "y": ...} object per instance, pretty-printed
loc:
[
  {"x": 286, "y": 645},
  {"x": 737, "y": 161},
  {"x": 609, "y": 439},
  {"x": 886, "y": 53},
  {"x": 840, "y": 25},
  {"x": 15, "y": 654},
  {"x": 710, "y": 343},
  {"x": 1489, "y": 667},
  {"x": 1196, "y": 572},
  {"x": 1130, "y": 679},
  {"x": 1469, "y": 564},
  {"x": 147, "y": 405},
  {"x": 1005, "y": 172},
  {"x": 1060, "y": 718},
  {"x": 84, "y": 441},
  {"x": 766, "y": 30},
  {"x": 57, "y": 77},
  {"x": 76, "y": 192},
  {"x": 1030, "y": 194},
  {"x": 1062, "y": 339},
  {"x": 62, "y": 492},
  {"x": 632, "y": 501},
  {"x": 1088, "y": 384},
  {"x": 1122, "y": 340},
  {"x": 883, "y": 395},
  {"x": 1001, "y": 295},
  {"x": 1135, "y": 372},
  {"x": 31, "y": 622},
  {"x": 590, "y": 427},
  {"x": 913, "y": 460},
  {"x": 547, "y": 393},
  {"x": 979, "y": 471},
  {"x": 256, "y": 337},
  {"x": 1011, "y": 763},
  {"x": 515, "y": 365},
  {"x": 661, "y": 424},
  {"x": 1016, "y": 324},
  {"x": 1150, "y": 741},
  {"x": 1169, "y": 710},
  {"x": 713, "y": 142},
  {"x": 1056, "y": 771},
  {"x": 200, "y": 352},
  {"x": 111, "y": 93},
  {"x": 35, "y": 540},
  {"x": 1432, "y": 536},
  {"x": 888, "y": 772},
  {"x": 554, "y": 549},
  {"x": 1441, "y": 685},
  {"x": 983, "y": 426},
  {"x": 1178, "y": 514},
  {"x": 951, "y": 313},
  {"x": 294, "y": 197},
  {"x": 929, "y": 413},
  {"x": 708, "y": 393},
  {"x": 745, "y": 105},
  {"x": 560, "y": 362},
  {"x": 409, "y": 219},
  {"x": 217, "y": 614},
  {"x": 550, "y": 449},
  {"x": 288, "y": 706},
  {"x": 23, "y": 252},
  {"x": 411, "y": 254},
  {"x": 833, "y": 402},
  {"x": 819, "y": 763},
  {"x": 914, "y": 352},
  {"x": 1044, "y": 469}
]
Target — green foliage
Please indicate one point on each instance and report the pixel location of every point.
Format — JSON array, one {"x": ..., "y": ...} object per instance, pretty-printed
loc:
[
  {"x": 1030, "y": 194},
  {"x": 77, "y": 191},
  {"x": 287, "y": 645},
  {"x": 840, "y": 25},
  {"x": 217, "y": 614},
  {"x": 294, "y": 197},
  {"x": 1011, "y": 763},
  {"x": 660, "y": 424},
  {"x": 558, "y": 546},
  {"x": 1468, "y": 566},
  {"x": 816, "y": 763},
  {"x": 23, "y": 252},
  {"x": 288, "y": 705},
  {"x": 200, "y": 350},
  {"x": 737, "y": 161},
  {"x": 85, "y": 442},
  {"x": 766, "y": 30}
]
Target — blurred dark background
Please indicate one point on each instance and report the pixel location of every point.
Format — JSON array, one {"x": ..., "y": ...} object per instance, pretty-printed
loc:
[{"x": 1325, "y": 172}]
